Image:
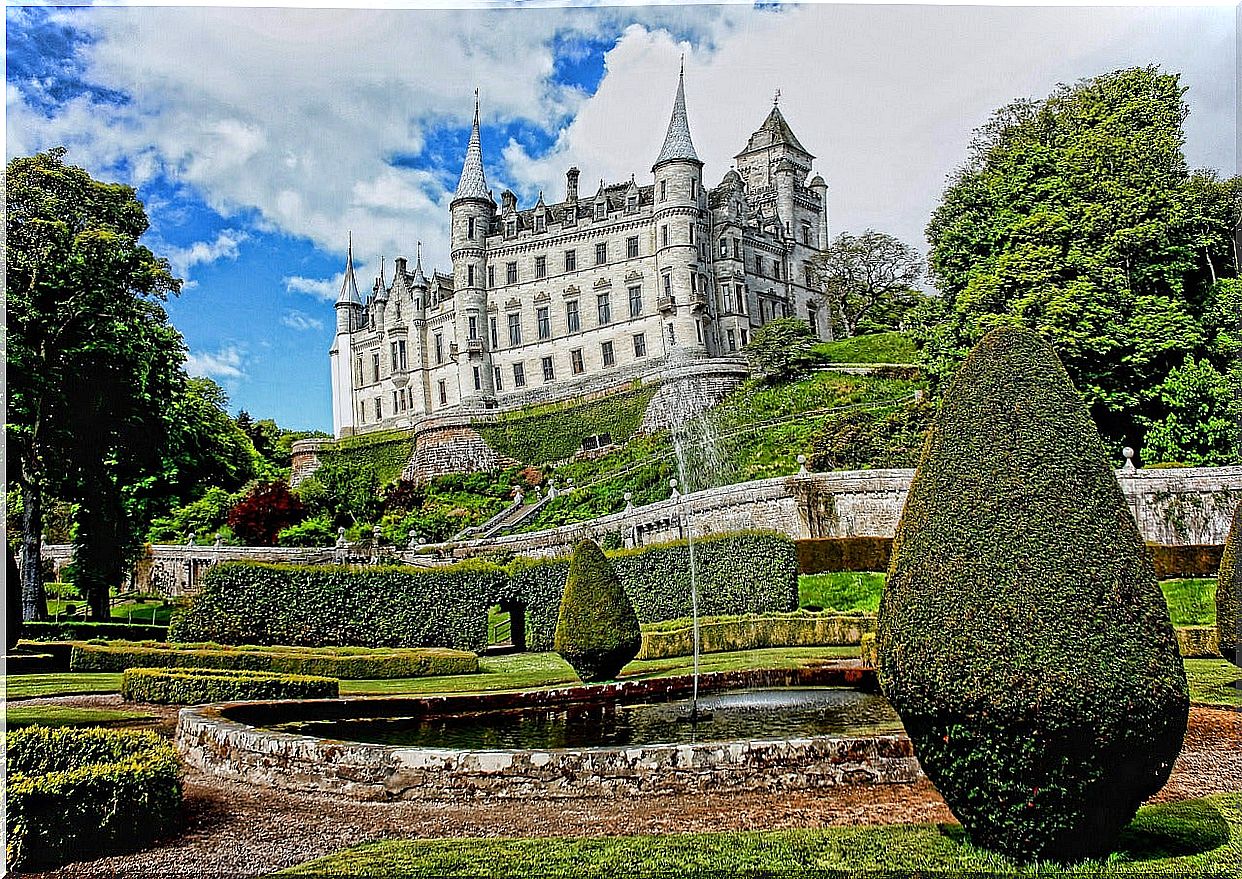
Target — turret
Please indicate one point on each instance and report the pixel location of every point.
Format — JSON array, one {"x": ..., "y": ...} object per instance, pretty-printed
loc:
[
  {"x": 348, "y": 301},
  {"x": 820, "y": 188},
  {"x": 680, "y": 206},
  {"x": 340, "y": 356},
  {"x": 472, "y": 211}
]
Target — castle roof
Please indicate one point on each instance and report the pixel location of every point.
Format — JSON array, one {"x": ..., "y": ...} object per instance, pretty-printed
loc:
[
  {"x": 472, "y": 183},
  {"x": 349, "y": 285},
  {"x": 774, "y": 131},
  {"x": 677, "y": 142}
]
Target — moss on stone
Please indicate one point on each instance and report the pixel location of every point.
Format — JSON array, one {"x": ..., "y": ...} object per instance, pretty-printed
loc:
[
  {"x": 597, "y": 630},
  {"x": 1022, "y": 635}
]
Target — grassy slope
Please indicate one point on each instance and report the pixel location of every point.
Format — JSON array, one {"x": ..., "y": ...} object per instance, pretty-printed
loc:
[
  {"x": 872, "y": 348},
  {"x": 1197, "y": 837}
]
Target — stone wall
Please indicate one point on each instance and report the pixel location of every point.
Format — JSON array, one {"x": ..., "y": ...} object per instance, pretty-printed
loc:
[{"x": 449, "y": 444}]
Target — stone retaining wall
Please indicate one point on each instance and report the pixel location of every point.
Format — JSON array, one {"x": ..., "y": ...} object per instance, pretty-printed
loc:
[{"x": 221, "y": 740}]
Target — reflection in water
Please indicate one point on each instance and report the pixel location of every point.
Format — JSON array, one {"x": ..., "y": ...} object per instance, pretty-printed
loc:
[{"x": 745, "y": 714}]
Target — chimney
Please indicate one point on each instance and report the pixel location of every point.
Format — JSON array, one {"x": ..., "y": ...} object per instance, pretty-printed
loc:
[
  {"x": 571, "y": 184},
  {"x": 401, "y": 263}
]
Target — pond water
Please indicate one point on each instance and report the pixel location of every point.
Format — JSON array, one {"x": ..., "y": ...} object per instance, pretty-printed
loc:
[{"x": 767, "y": 714}]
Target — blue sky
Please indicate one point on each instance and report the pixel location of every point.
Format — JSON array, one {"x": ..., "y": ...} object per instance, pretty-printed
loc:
[{"x": 260, "y": 138}]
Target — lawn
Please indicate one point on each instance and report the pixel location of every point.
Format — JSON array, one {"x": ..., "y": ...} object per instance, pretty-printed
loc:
[
  {"x": 16, "y": 717},
  {"x": 843, "y": 591},
  {"x": 871, "y": 348},
  {"x": 61, "y": 684},
  {"x": 1191, "y": 602},
  {"x": 1196, "y": 837},
  {"x": 1214, "y": 682}
]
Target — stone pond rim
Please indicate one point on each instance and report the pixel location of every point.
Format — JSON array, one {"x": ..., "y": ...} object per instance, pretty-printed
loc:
[{"x": 225, "y": 740}]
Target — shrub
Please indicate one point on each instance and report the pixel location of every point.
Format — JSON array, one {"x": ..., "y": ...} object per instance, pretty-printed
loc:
[
  {"x": 753, "y": 632},
  {"x": 77, "y": 791},
  {"x": 195, "y": 686},
  {"x": 597, "y": 630},
  {"x": 781, "y": 350},
  {"x": 822, "y": 555},
  {"x": 333, "y": 662},
  {"x": 1192, "y": 560},
  {"x": 1022, "y": 636},
  {"x": 268, "y": 509},
  {"x": 83, "y": 631},
  {"x": 1198, "y": 642},
  {"x": 1228, "y": 589},
  {"x": 867, "y": 652}
]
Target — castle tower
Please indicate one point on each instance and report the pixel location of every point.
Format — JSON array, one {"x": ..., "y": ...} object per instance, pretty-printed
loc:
[
  {"x": 681, "y": 229},
  {"x": 472, "y": 210},
  {"x": 348, "y": 321},
  {"x": 774, "y": 166}
]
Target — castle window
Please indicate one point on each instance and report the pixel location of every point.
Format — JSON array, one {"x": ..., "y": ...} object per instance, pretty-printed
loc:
[
  {"x": 510, "y": 273},
  {"x": 664, "y": 235},
  {"x": 631, "y": 247},
  {"x": 604, "y": 308},
  {"x": 493, "y": 334},
  {"x": 663, "y": 190},
  {"x": 472, "y": 327},
  {"x": 806, "y": 233},
  {"x": 741, "y": 299},
  {"x": 601, "y": 209},
  {"x": 812, "y": 318},
  {"x": 668, "y": 285},
  {"x": 545, "y": 325},
  {"x": 698, "y": 330},
  {"x": 470, "y": 275},
  {"x": 470, "y": 227},
  {"x": 396, "y": 405},
  {"x": 362, "y": 412},
  {"x": 439, "y": 348},
  {"x": 694, "y": 190},
  {"x": 672, "y": 334},
  {"x": 478, "y": 379},
  {"x": 539, "y": 222},
  {"x": 737, "y": 249},
  {"x": 570, "y": 217},
  {"x": 375, "y": 358},
  {"x": 519, "y": 375},
  {"x": 571, "y": 316},
  {"x": 571, "y": 260},
  {"x": 745, "y": 338},
  {"x": 548, "y": 373},
  {"x": 379, "y": 409},
  {"x": 575, "y": 361},
  {"x": 443, "y": 393},
  {"x": 515, "y": 328},
  {"x": 358, "y": 372},
  {"x": 640, "y": 344},
  {"x": 636, "y": 301},
  {"x": 610, "y": 358},
  {"x": 732, "y": 340},
  {"x": 541, "y": 267},
  {"x": 496, "y": 378},
  {"x": 510, "y": 228},
  {"x": 724, "y": 247},
  {"x": 691, "y": 227},
  {"x": 601, "y": 253},
  {"x": 396, "y": 364},
  {"x": 491, "y": 276}
]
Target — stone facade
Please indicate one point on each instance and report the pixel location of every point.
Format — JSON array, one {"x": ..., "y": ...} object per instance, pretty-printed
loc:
[{"x": 544, "y": 299}]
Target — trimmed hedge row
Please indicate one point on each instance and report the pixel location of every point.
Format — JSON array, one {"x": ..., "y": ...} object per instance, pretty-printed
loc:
[
  {"x": 340, "y": 663},
  {"x": 867, "y": 652},
  {"x": 195, "y": 686},
  {"x": 739, "y": 573},
  {"x": 1198, "y": 642},
  {"x": 75, "y": 791},
  {"x": 83, "y": 631},
  {"x": 1196, "y": 560},
  {"x": 828, "y": 555},
  {"x": 716, "y": 635},
  {"x": 29, "y": 663}
]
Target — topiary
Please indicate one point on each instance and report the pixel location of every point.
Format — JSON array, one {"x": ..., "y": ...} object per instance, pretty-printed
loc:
[
  {"x": 1022, "y": 636},
  {"x": 1228, "y": 588},
  {"x": 597, "y": 629}
]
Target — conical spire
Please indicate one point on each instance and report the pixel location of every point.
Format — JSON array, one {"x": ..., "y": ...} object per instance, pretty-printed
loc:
[
  {"x": 677, "y": 143},
  {"x": 349, "y": 286},
  {"x": 419, "y": 279},
  {"x": 472, "y": 183}
]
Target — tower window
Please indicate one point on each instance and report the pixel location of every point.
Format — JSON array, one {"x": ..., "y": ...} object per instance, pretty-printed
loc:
[
  {"x": 631, "y": 247},
  {"x": 664, "y": 235},
  {"x": 443, "y": 393},
  {"x": 724, "y": 247},
  {"x": 663, "y": 190},
  {"x": 491, "y": 276},
  {"x": 496, "y": 378},
  {"x": 401, "y": 352},
  {"x": 472, "y": 324},
  {"x": 439, "y": 348},
  {"x": 470, "y": 227},
  {"x": 478, "y": 379},
  {"x": 732, "y": 340},
  {"x": 691, "y": 227},
  {"x": 493, "y": 335},
  {"x": 375, "y": 358},
  {"x": 396, "y": 364},
  {"x": 470, "y": 276},
  {"x": 571, "y": 316}
]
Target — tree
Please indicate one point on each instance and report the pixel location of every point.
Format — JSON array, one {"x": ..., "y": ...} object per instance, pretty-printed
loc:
[
  {"x": 597, "y": 630},
  {"x": 1076, "y": 215},
  {"x": 92, "y": 360},
  {"x": 268, "y": 509},
  {"x": 871, "y": 275},
  {"x": 205, "y": 447},
  {"x": 781, "y": 350},
  {"x": 1022, "y": 636}
]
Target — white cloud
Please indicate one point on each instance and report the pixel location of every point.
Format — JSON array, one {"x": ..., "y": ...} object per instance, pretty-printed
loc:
[
  {"x": 182, "y": 259},
  {"x": 226, "y": 363},
  {"x": 321, "y": 288},
  {"x": 301, "y": 321}
]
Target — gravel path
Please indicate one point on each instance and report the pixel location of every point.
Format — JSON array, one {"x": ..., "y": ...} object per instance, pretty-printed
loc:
[{"x": 232, "y": 829}]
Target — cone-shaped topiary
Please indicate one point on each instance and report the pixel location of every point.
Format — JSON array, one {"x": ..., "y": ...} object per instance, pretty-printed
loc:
[
  {"x": 597, "y": 630},
  {"x": 1022, "y": 636},
  {"x": 1228, "y": 588}
]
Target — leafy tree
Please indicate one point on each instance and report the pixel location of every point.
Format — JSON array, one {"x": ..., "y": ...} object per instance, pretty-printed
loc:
[
  {"x": 597, "y": 629},
  {"x": 202, "y": 518},
  {"x": 868, "y": 277},
  {"x": 781, "y": 350},
  {"x": 860, "y": 439},
  {"x": 1200, "y": 423},
  {"x": 347, "y": 491},
  {"x": 1022, "y": 636},
  {"x": 206, "y": 446},
  {"x": 268, "y": 509},
  {"x": 1076, "y": 215},
  {"x": 92, "y": 363}
]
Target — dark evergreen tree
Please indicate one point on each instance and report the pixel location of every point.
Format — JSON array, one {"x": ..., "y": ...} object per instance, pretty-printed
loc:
[
  {"x": 597, "y": 630},
  {"x": 1228, "y": 588}
]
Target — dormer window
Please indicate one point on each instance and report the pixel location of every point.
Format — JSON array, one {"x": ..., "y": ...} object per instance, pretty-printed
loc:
[
  {"x": 631, "y": 203},
  {"x": 571, "y": 216},
  {"x": 601, "y": 210},
  {"x": 510, "y": 228},
  {"x": 539, "y": 222}
]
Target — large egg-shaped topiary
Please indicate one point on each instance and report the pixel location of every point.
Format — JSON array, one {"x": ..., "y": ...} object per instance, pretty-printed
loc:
[
  {"x": 597, "y": 630},
  {"x": 1022, "y": 636},
  {"x": 1228, "y": 589}
]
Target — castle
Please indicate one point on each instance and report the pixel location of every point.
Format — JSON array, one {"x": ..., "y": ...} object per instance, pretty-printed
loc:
[{"x": 546, "y": 302}]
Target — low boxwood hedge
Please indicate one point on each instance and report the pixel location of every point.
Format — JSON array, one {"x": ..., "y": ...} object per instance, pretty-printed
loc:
[
  {"x": 75, "y": 792},
  {"x": 341, "y": 663},
  {"x": 1198, "y": 642},
  {"x": 83, "y": 631},
  {"x": 727, "y": 634},
  {"x": 194, "y": 686}
]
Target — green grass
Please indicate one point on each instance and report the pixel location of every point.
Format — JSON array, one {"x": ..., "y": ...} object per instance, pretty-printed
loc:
[
  {"x": 1196, "y": 837},
  {"x": 59, "y": 715},
  {"x": 872, "y": 348},
  {"x": 1191, "y": 602},
  {"x": 843, "y": 591},
  {"x": 1214, "y": 682},
  {"x": 61, "y": 684}
]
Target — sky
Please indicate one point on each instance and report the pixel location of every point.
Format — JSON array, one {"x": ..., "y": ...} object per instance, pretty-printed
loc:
[{"x": 260, "y": 139}]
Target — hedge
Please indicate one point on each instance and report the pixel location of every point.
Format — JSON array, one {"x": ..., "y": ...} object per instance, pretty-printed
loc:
[
  {"x": 1198, "y": 642},
  {"x": 867, "y": 654},
  {"x": 738, "y": 573},
  {"x": 83, "y": 631},
  {"x": 828, "y": 555},
  {"x": 597, "y": 631},
  {"x": 1196, "y": 560},
  {"x": 341, "y": 663},
  {"x": 724, "y": 635},
  {"x": 195, "y": 686},
  {"x": 29, "y": 663},
  {"x": 74, "y": 792}
]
